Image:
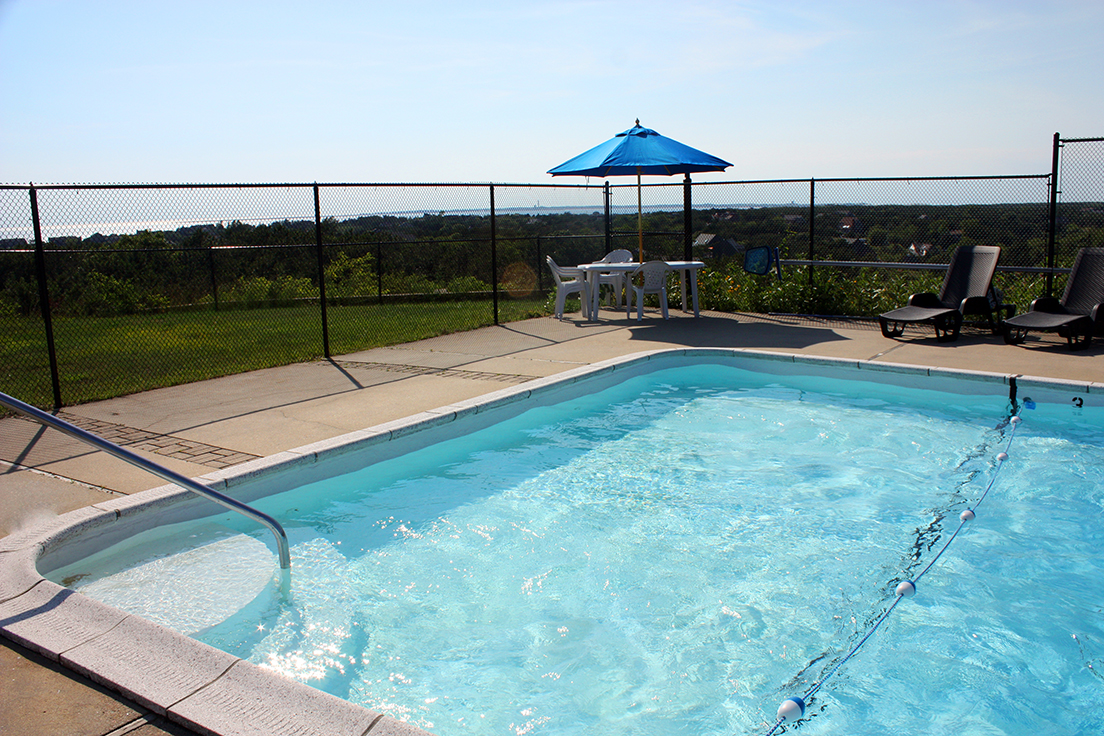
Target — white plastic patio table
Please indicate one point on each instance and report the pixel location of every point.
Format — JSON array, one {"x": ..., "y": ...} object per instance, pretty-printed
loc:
[{"x": 592, "y": 271}]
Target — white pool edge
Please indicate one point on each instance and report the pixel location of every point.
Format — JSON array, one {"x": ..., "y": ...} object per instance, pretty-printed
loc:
[{"x": 213, "y": 692}]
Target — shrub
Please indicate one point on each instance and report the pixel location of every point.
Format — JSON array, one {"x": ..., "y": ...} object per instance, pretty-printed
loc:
[
  {"x": 467, "y": 285},
  {"x": 105, "y": 296},
  {"x": 853, "y": 292},
  {"x": 347, "y": 276},
  {"x": 255, "y": 291},
  {"x": 20, "y": 297},
  {"x": 400, "y": 283}
]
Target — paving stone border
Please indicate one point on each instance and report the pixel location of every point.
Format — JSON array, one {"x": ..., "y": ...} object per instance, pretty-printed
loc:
[
  {"x": 160, "y": 444},
  {"x": 212, "y": 456}
]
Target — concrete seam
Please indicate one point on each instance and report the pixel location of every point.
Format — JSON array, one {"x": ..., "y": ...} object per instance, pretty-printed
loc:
[
  {"x": 143, "y": 719},
  {"x": 446, "y": 372},
  {"x": 201, "y": 688},
  {"x": 48, "y": 474},
  {"x": 372, "y": 725},
  {"x": 100, "y": 635}
]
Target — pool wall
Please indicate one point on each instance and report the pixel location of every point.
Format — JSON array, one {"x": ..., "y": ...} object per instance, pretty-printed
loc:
[{"x": 213, "y": 692}]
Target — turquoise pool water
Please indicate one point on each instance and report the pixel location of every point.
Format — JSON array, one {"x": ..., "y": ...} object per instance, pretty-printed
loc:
[{"x": 674, "y": 555}]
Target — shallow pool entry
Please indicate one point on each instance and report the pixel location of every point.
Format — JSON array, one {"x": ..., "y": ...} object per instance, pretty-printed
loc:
[{"x": 677, "y": 554}]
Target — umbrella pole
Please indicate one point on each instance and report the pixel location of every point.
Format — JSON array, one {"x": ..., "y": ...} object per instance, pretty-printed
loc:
[{"x": 639, "y": 215}]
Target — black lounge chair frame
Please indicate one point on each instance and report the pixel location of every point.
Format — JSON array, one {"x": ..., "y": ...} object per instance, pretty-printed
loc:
[
  {"x": 967, "y": 291},
  {"x": 1077, "y": 316}
]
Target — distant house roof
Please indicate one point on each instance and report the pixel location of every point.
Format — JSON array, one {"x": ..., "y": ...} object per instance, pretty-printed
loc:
[
  {"x": 920, "y": 249},
  {"x": 717, "y": 246}
]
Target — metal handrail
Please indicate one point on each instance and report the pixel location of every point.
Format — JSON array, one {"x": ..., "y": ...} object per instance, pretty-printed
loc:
[{"x": 159, "y": 470}]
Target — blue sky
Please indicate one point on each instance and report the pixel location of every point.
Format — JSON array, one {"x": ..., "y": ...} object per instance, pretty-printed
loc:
[{"x": 479, "y": 91}]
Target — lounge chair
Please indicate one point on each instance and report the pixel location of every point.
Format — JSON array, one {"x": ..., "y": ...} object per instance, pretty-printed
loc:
[
  {"x": 568, "y": 281},
  {"x": 1077, "y": 316},
  {"x": 653, "y": 276},
  {"x": 966, "y": 291}
]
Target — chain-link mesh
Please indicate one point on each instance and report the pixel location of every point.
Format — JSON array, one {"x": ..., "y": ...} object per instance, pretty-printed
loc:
[
  {"x": 655, "y": 210},
  {"x": 1079, "y": 219},
  {"x": 566, "y": 223},
  {"x": 154, "y": 285},
  {"x": 404, "y": 261},
  {"x": 24, "y": 359},
  {"x": 919, "y": 223},
  {"x": 854, "y": 247}
]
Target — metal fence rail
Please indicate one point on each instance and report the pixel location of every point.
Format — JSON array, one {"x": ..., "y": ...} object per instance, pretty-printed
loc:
[{"x": 177, "y": 283}]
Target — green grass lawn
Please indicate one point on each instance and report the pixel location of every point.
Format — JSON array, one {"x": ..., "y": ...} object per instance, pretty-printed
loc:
[{"x": 103, "y": 357}]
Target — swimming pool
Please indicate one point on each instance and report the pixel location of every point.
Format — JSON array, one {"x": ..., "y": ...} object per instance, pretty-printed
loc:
[{"x": 773, "y": 560}]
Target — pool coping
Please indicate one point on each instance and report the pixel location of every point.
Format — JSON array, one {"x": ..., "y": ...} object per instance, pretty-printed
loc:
[{"x": 211, "y": 691}]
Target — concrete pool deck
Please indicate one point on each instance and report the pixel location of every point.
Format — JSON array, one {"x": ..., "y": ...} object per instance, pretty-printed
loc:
[{"x": 197, "y": 428}]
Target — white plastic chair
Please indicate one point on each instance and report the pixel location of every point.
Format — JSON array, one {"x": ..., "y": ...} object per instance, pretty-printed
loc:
[
  {"x": 568, "y": 281},
  {"x": 654, "y": 275},
  {"x": 616, "y": 280}
]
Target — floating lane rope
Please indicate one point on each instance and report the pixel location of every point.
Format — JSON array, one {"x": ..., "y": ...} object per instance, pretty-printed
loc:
[{"x": 793, "y": 708}]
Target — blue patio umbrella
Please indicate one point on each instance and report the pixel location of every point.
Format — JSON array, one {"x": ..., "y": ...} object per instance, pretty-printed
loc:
[{"x": 639, "y": 151}]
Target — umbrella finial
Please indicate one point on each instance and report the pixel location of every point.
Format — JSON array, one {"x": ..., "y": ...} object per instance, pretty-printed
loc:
[{"x": 638, "y": 122}]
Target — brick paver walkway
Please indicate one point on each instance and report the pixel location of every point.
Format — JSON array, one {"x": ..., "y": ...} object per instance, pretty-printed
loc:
[{"x": 159, "y": 444}]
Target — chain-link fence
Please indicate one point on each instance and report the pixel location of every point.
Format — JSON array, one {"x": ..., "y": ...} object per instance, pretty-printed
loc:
[
  {"x": 114, "y": 289},
  {"x": 106, "y": 290},
  {"x": 1078, "y": 218},
  {"x": 854, "y": 247}
]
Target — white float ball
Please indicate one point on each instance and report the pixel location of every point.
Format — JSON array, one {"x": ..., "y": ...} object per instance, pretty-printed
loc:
[
  {"x": 791, "y": 709},
  {"x": 906, "y": 589}
]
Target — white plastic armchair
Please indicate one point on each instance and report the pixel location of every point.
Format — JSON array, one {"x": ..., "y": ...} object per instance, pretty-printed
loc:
[
  {"x": 654, "y": 277},
  {"x": 568, "y": 281},
  {"x": 616, "y": 280}
]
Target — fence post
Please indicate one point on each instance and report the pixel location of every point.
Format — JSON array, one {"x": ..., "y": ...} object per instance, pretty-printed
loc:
[
  {"x": 494, "y": 257},
  {"x": 211, "y": 268},
  {"x": 379, "y": 270},
  {"x": 686, "y": 219},
  {"x": 606, "y": 195},
  {"x": 321, "y": 272},
  {"x": 812, "y": 226},
  {"x": 1052, "y": 216},
  {"x": 540, "y": 267},
  {"x": 44, "y": 298}
]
